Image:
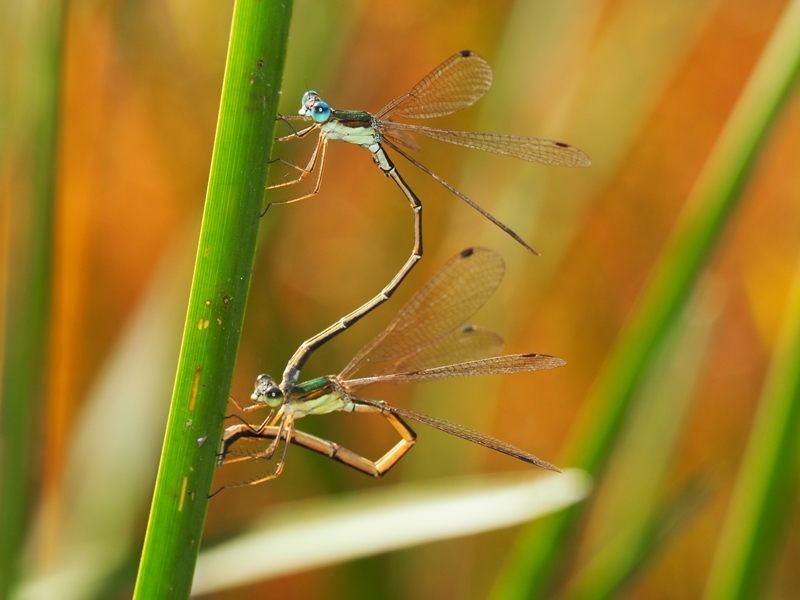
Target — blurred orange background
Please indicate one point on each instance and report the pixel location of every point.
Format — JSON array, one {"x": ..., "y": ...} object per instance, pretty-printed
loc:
[{"x": 644, "y": 88}]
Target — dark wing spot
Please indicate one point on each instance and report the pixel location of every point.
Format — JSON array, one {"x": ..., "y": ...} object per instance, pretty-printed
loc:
[
  {"x": 466, "y": 53},
  {"x": 467, "y": 252},
  {"x": 562, "y": 145},
  {"x": 468, "y": 328}
]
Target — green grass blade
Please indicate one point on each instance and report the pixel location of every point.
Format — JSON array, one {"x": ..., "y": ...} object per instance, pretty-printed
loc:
[
  {"x": 627, "y": 527},
  {"x": 29, "y": 158},
  {"x": 765, "y": 497},
  {"x": 531, "y": 569},
  {"x": 220, "y": 285}
]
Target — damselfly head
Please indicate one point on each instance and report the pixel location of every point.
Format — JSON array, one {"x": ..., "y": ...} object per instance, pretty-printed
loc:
[
  {"x": 267, "y": 392},
  {"x": 314, "y": 107}
]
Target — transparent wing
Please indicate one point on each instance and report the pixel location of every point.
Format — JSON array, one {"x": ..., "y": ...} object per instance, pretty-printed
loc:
[
  {"x": 469, "y": 342},
  {"x": 452, "y": 296},
  {"x": 455, "y": 84},
  {"x": 468, "y": 434},
  {"x": 471, "y": 203},
  {"x": 538, "y": 150},
  {"x": 510, "y": 363},
  {"x": 403, "y": 138}
]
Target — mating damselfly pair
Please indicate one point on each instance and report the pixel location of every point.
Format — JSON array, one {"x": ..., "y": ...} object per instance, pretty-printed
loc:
[{"x": 426, "y": 339}]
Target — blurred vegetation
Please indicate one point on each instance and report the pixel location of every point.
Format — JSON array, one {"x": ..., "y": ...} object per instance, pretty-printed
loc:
[
  {"x": 646, "y": 89},
  {"x": 29, "y": 121}
]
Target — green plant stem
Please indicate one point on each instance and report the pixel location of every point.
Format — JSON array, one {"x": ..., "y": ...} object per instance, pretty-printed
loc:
[
  {"x": 765, "y": 497},
  {"x": 223, "y": 269},
  {"x": 31, "y": 134},
  {"x": 536, "y": 562}
]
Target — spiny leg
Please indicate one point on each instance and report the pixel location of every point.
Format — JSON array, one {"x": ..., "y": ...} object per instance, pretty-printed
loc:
[
  {"x": 277, "y": 432},
  {"x": 320, "y": 151},
  {"x": 243, "y": 431},
  {"x": 246, "y": 409},
  {"x": 246, "y": 424},
  {"x": 235, "y": 432},
  {"x": 282, "y": 461},
  {"x": 304, "y": 172},
  {"x": 295, "y": 135},
  {"x": 270, "y": 451},
  {"x": 246, "y": 430}
]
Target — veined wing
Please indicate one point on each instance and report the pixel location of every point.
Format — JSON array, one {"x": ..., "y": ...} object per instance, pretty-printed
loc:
[
  {"x": 538, "y": 150},
  {"x": 468, "y": 434},
  {"x": 399, "y": 136},
  {"x": 455, "y": 84},
  {"x": 509, "y": 363},
  {"x": 452, "y": 296},
  {"x": 466, "y": 343}
]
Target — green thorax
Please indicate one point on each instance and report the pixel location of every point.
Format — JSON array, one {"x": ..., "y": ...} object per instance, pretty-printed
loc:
[
  {"x": 353, "y": 118},
  {"x": 318, "y": 396},
  {"x": 312, "y": 388}
]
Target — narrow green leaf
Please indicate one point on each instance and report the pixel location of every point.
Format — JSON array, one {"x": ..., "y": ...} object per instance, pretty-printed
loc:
[
  {"x": 627, "y": 526},
  {"x": 765, "y": 497},
  {"x": 221, "y": 282},
  {"x": 29, "y": 154},
  {"x": 534, "y": 565}
]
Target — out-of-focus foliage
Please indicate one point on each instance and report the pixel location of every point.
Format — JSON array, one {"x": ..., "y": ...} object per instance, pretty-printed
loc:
[
  {"x": 319, "y": 533},
  {"x": 32, "y": 34},
  {"x": 643, "y": 87}
]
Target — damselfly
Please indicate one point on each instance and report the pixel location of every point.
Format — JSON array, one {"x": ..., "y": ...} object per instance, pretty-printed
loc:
[
  {"x": 425, "y": 340},
  {"x": 455, "y": 84}
]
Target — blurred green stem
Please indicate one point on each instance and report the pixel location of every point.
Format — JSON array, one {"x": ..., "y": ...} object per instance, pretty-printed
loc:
[
  {"x": 223, "y": 268},
  {"x": 29, "y": 162},
  {"x": 765, "y": 498},
  {"x": 539, "y": 556},
  {"x": 635, "y": 528}
]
